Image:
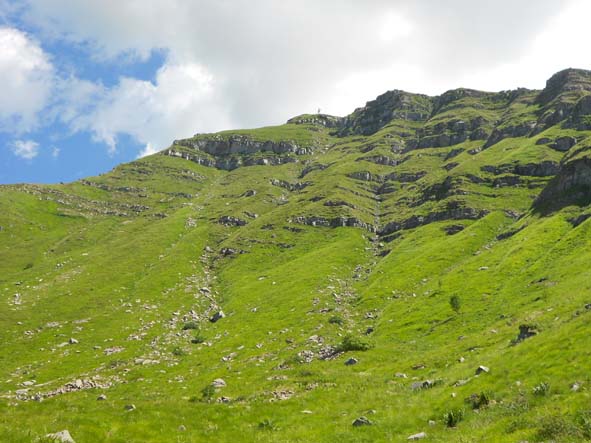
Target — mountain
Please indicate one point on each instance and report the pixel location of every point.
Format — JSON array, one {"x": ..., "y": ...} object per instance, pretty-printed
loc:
[{"x": 418, "y": 266}]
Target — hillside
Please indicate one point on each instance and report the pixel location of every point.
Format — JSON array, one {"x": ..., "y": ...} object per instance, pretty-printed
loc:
[{"x": 418, "y": 266}]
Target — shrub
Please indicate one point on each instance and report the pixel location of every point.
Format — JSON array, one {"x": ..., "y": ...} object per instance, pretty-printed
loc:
[
  {"x": 190, "y": 325},
  {"x": 479, "y": 400},
  {"x": 198, "y": 339},
  {"x": 351, "y": 343},
  {"x": 207, "y": 393},
  {"x": 554, "y": 426},
  {"x": 336, "y": 320},
  {"x": 267, "y": 425},
  {"x": 455, "y": 303},
  {"x": 179, "y": 352},
  {"x": 541, "y": 390},
  {"x": 453, "y": 417}
]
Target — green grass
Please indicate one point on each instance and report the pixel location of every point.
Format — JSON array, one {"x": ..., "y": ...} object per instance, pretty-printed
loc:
[{"x": 130, "y": 265}]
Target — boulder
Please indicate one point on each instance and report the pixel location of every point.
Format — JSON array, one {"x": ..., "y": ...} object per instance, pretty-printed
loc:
[
  {"x": 563, "y": 144},
  {"x": 352, "y": 361},
  {"x": 482, "y": 369},
  {"x": 217, "y": 316},
  {"x": 525, "y": 332},
  {"x": 362, "y": 421},
  {"x": 418, "y": 436},
  {"x": 61, "y": 436},
  {"x": 218, "y": 383}
]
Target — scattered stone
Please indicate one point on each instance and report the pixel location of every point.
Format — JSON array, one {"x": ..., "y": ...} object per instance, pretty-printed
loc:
[
  {"x": 182, "y": 428},
  {"x": 525, "y": 332},
  {"x": 575, "y": 386},
  {"x": 61, "y": 436},
  {"x": 130, "y": 407},
  {"x": 432, "y": 422},
  {"x": 418, "y": 436},
  {"x": 113, "y": 350},
  {"x": 101, "y": 397},
  {"x": 482, "y": 369},
  {"x": 588, "y": 306},
  {"x": 362, "y": 421},
  {"x": 426, "y": 384},
  {"x": 400, "y": 375},
  {"x": 217, "y": 316},
  {"x": 73, "y": 341},
  {"x": 419, "y": 366},
  {"x": 352, "y": 361},
  {"x": 28, "y": 383},
  {"x": 218, "y": 383},
  {"x": 306, "y": 411},
  {"x": 224, "y": 399},
  {"x": 369, "y": 331},
  {"x": 461, "y": 359}
]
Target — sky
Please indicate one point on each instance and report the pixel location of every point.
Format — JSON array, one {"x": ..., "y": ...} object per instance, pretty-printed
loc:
[{"x": 88, "y": 84}]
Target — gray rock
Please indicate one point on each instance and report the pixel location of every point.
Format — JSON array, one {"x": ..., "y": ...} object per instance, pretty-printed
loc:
[
  {"x": 525, "y": 332},
  {"x": 482, "y": 369},
  {"x": 400, "y": 375},
  {"x": 351, "y": 361},
  {"x": 426, "y": 384},
  {"x": 73, "y": 341},
  {"x": 61, "y": 436},
  {"x": 101, "y": 397},
  {"x": 217, "y": 316},
  {"x": 130, "y": 407},
  {"x": 182, "y": 428},
  {"x": 218, "y": 383},
  {"x": 362, "y": 421},
  {"x": 418, "y": 436},
  {"x": 563, "y": 144}
]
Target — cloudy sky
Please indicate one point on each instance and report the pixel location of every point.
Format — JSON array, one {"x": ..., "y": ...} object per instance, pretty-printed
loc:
[{"x": 88, "y": 84}]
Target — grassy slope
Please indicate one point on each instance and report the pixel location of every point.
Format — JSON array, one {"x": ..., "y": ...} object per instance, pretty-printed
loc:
[{"x": 118, "y": 261}]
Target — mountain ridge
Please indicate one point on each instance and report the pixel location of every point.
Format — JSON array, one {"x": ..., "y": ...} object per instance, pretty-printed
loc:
[{"x": 417, "y": 267}]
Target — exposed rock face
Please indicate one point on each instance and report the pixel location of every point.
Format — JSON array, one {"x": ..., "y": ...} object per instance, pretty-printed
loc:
[
  {"x": 453, "y": 212},
  {"x": 230, "y": 163},
  {"x": 572, "y": 184},
  {"x": 289, "y": 186},
  {"x": 329, "y": 121},
  {"x": 387, "y": 107},
  {"x": 564, "y": 143},
  {"x": 521, "y": 130},
  {"x": 565, "y": 81},
  {"x": 545, "y": 168},
  {"x": 332, "y": 223},
  {"x": 240, "y": 144}
]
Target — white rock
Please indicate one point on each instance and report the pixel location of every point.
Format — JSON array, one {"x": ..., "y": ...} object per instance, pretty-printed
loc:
[{"x": 61, "y": 436}]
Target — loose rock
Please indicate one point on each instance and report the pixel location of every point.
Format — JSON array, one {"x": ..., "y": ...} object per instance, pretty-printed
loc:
[
  {"x": 61, "y": 436},
  {"x": 351, "y": 361},
  {"x": 362, "y": 421},
  {"x": 482, "y": 369}
]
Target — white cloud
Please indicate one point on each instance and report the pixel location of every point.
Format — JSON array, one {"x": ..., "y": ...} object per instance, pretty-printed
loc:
[
  {"x": 243, "y": 63},
  {"x": 181, "y": 99},
  {"x": 55, "y": 152},
  {"x": 25, "y": 149},
  {"x": 26, "y": 76}
]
